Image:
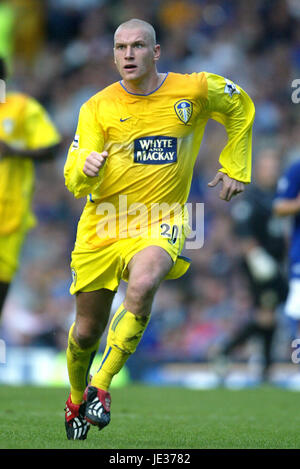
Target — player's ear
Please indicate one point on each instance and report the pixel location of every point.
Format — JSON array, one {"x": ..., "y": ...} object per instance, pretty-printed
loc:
[{"x": 156, "y": 52}]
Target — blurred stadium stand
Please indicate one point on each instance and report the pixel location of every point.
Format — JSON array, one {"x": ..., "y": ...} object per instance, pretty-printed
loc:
[{"x": 61, "y": 53}]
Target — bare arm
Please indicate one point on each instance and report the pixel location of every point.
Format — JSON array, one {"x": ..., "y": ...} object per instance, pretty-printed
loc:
[{"x": 285, "y": 207}]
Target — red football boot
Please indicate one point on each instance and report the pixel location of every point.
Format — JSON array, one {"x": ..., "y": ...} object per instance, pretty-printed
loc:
[
  {"x": 76, "y": 425},
  {"x": 97, "y": 410}
]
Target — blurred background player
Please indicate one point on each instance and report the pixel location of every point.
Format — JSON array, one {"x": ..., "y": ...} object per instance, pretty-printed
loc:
[
  {"x": 263, "y": 249},
  {"x": 27, "y": 135},
  {"x": 287, "y": 203}
]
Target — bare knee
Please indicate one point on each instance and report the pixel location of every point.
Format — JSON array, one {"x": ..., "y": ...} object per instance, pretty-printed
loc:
[
  {"x": 84, "y": 336},
  {"x": 146, "y": 269},
  {"x": 140, "y": 294},
  {"x": 92, "y": 313},
  {"x": 88, "y": 328}
]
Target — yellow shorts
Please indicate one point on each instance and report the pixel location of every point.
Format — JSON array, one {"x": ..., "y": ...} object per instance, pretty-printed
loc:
[
  {"x": 10, "y": 248},
  {"x": 106, "y": 266}
]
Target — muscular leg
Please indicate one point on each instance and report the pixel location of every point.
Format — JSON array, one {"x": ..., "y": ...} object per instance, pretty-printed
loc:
[
  {"x": 146, "y": 269},
  {"x": 92, "y": 313}
]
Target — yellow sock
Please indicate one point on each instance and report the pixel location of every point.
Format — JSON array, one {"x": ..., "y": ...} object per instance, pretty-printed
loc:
[
  {"x": 125, "y": 332},
  {"x": 79, "y": 362}
]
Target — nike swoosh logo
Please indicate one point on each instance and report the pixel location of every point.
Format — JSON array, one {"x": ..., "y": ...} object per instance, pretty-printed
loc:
[{"x": 123, "y": 120}]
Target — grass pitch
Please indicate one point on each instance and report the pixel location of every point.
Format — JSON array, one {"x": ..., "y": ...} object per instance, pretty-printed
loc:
[{"x": 145, "y": 417}]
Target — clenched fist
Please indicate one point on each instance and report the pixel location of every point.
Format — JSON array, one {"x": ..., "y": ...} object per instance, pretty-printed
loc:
[{"x": 94, "y": 163}]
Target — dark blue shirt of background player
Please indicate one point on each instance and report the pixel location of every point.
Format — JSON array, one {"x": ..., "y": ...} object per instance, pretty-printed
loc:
[{"x": 288, "y": 199}]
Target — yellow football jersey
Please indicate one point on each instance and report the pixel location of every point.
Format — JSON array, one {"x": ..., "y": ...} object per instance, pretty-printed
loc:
[
  {"x": 152, "y": 143},
  {"x": 24, "y": 124}
]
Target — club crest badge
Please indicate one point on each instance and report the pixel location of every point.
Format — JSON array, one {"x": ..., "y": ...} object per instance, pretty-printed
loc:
[
  {"x": 184, "y": 110},
  {"x": 230, "y": 88}
]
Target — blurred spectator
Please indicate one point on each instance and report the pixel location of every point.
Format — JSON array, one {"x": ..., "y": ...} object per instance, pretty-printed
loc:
[
  {"x": 29, "y": 29},
  {"x": 7, "y": 25}
]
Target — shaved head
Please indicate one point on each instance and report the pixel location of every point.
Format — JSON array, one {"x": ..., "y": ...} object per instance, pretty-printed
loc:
[
  {"x": 138, "y": 24},
  {"x": 136, "y": 54}
]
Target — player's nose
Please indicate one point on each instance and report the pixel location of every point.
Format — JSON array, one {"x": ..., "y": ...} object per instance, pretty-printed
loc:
[{"x": 129, "y": 52}]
